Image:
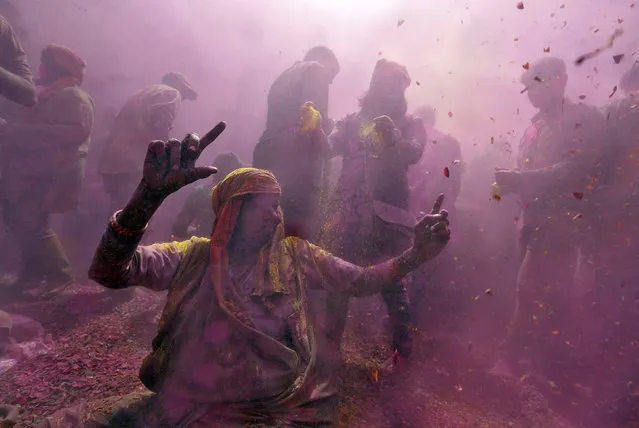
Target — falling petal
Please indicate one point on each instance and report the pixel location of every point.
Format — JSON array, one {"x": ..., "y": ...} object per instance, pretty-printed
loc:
[
  {"x": 520, "y": 5},
  {"x": 618, "y": 58},
  {"x": 578, "y": 195},
  {"x": 614, "y": 91},
  {"x": 446, "y": 172},
  {"x": 526, "y": 66}
]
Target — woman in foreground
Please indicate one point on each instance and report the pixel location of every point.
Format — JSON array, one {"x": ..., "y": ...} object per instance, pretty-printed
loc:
[{"x": 239, "y": 342}]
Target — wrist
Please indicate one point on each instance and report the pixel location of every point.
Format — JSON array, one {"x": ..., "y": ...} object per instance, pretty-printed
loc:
[
  {"x": 406, "y": 263},
  {"x": 140, "y": 208}
]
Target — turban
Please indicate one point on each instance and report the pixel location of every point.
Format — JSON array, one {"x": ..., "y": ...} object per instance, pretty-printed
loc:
[{"x": 63, "y": 58}]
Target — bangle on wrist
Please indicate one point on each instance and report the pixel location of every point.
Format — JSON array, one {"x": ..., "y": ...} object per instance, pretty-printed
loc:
[{"x": 121, "y": 230}]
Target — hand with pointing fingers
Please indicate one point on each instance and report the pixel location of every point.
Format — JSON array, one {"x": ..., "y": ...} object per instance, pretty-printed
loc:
[
  {"x": 432, "y": 232},
  {"x": 386, "y": 127},
  {"x": 169, "y": 166}
]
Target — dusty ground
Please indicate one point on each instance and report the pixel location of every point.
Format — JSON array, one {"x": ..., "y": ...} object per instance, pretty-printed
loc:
[{"x": 101, "y": 337}]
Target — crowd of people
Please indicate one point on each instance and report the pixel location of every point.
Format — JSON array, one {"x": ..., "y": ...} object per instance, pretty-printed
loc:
[{"x": 262, "y": 261}]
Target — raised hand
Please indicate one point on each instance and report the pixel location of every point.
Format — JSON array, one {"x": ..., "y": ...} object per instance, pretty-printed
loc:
[
  {"x": 432, "y": 232},
  {"x": 386, "y": 127},
  {"x": 169, "y": 166}
]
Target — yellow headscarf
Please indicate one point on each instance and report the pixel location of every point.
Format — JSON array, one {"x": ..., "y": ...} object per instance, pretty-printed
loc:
[{"x": 227, "y": 203}]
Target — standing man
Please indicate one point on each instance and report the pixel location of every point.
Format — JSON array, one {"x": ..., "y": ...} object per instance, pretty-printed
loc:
[
  {"x": 556, "y": 175},
  {"x": 147, "y": 116},
  {"x": 16, "y": 83},
  {"x": 44, "y": 155},
  {"x": 371, "y": 218},
  {"x": 294, "y": 151}
]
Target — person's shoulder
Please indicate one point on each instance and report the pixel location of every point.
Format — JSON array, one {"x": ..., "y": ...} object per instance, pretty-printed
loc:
[
  {"x": 583, "y": 110},
  {"x": 75, "y": 94},
  {"x": 193, "y": 245},
  {"x": 203, "y": 191},
  {"x": 629, "y": 102}
]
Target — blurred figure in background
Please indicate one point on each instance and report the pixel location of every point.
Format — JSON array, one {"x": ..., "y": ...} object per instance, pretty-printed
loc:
[
  {"x": 196, "y": 216},
  {"x": 148, "y": 115},
  {"x": 556, "y": 169},
  {"x": 370, "y": 218},
  {"x": 297, "y": 152},
  {"x": 43, "y": 166},
  {"x": 16, "y": 84},
  {"x": 614, "y": 251},
  {"x": 439, "y": 171}
]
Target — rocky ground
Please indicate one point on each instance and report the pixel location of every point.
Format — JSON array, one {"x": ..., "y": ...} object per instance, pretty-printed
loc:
[{"x": 98, "y": 338}]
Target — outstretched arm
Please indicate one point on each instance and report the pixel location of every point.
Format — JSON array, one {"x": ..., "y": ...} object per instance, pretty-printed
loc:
[
  {"x": 119, "y": 261},
  {"x": 336, "y": 275}
]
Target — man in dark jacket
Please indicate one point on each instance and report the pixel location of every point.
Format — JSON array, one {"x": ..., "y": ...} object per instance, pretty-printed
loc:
[
  {"x": 556, "y": 177},
  {"x": 295, "y": 152},
  {"x": 370, "y": 217}
]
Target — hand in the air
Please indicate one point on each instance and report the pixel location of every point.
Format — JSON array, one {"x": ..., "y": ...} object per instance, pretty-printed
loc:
[
  {"x": 508, "y": 180},
  {"x": 386, "y": 127},
  {"x": 169, "y": 166},
  {"x": 432, "y": 232}
]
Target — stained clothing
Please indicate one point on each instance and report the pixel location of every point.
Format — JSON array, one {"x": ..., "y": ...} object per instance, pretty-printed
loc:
[
  {"x": 16, "y": 81},
  {"x": 148, "y": 115},
  {"x": 196, "y": 216},
  {"x": 560, "y": 159},
  {"x": 43, "y": 167},
  {"x": 210, "y": 367},
  {"x": 296, "y": 158},
  {"x": 369, "y": 210}
]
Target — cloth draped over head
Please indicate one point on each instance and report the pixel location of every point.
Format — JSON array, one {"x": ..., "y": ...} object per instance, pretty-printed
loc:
[
  {"x": 63, "y": 58},
  {"x": 227, "y": 200},
  {"x": 386, "y": 70}
]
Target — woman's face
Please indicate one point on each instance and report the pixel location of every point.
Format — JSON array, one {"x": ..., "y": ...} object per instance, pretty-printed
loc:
[{"x": 258, "y": 219}]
